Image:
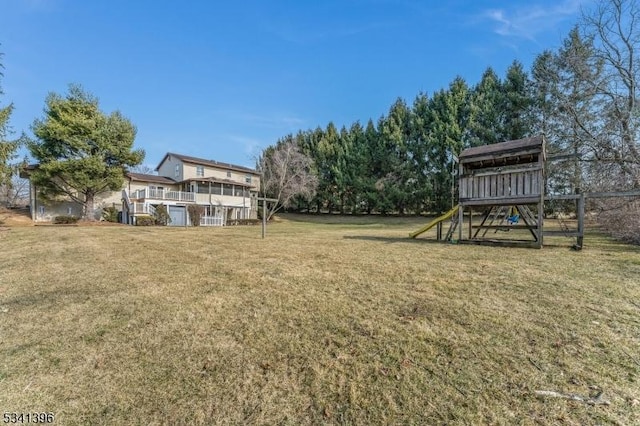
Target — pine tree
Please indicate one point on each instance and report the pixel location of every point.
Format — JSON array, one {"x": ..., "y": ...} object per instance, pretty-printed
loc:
[
  {"x": 420, "y": 149},
  {"x": 448, "y": 118},
  {"x": 8, "y": 148},
  {"x": 396, "y": 182},
  {"x": 517, "y": 103},
  {"x": 373, "y": 165},
  {"x": 82, "y": 152},
  {"x": 577, "y": 106},
  {"x": 484, "y": 125}
]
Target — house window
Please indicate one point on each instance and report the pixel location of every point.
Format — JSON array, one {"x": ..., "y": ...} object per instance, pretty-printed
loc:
[
  {"x": 203, "y": 187},
  {"x": 228, "y": 174},
  {"x": 177, "y": 170},
  {"x": 247, "y": 178},
  {"x": 227, "y": 189},
  {"x": 199, "y": 171},
  {"x": 216, "y": 188}
]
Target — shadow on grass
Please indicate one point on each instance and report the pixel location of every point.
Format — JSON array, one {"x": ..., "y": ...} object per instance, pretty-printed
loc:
[
  {"x": 355, "y": 220},
  {"x": 55, "y": 298},
  {"x": 390, "y": 240}
]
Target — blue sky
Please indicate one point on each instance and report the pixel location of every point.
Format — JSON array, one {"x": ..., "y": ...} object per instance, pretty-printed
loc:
[{"x": 222, "y": 80}]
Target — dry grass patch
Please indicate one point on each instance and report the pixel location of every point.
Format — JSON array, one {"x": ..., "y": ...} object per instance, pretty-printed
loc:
[
  {"x": 319, "y": 323},
  {"x": 15, "y": 217}
]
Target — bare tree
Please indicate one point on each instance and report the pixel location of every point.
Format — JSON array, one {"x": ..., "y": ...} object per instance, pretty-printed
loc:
[
  {"x": 145, "y": 169},
  {"x": 614, "y": 27},
  {"x": 16, "y": 193},
  {"x": 286, "y": 173}
]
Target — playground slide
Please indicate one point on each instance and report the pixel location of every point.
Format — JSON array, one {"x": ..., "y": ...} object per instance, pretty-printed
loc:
[{"x": 434, "y": 222}]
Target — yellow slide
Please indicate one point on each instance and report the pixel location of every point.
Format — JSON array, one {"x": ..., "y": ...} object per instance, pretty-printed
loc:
[{"x": 434, "y": 222}]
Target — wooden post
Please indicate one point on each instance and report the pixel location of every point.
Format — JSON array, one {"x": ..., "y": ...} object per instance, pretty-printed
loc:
[
  {"x": 264, "y": 211},
  {"x": 439, "y": 231},
  {"x": 541, "y": 183},
  {"x": 460, "y": 221},
  {"x": 264, "y": 217},
  {"x": 580, "y": 238},
  {"x": 470, "y": 224},
  {"x": 461, "y": 207}
]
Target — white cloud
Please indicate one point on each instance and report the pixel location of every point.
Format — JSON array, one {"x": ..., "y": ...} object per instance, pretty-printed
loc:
[{"x": 529, "y": 21}]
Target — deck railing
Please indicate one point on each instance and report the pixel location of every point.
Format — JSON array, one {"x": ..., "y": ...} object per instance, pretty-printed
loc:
[
  {"x": 125, "y": 197},
  {"x": 211, "y": 221},
  {"x": 162, "y": 194},
  {"x": 142, "y": 208}
]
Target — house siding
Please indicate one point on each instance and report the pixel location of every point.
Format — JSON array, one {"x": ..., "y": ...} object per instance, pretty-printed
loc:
[
  {"x": 190, "y": 172},
  {"x": 187, "y": 170},
  {"x": 46, "y": 211},
  {"x": 138, "y": 186},
  {"x": 168, "y": 168},
  {"x": 53, "y": 208}
]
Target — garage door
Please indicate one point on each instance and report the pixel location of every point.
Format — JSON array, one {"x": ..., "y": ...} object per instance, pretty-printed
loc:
[{"x": 178, "y": 215}]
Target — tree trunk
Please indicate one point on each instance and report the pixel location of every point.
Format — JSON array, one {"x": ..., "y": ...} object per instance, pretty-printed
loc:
[{"x": 88, "y": 213}]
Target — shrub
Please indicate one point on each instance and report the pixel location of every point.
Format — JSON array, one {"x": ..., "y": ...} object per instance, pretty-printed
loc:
[
  {"x": 195, "y": 213},
  {"x": 244, "y": 222},
  {"x": 161, "y": 216},
  {"x": 110, "y": 214},
  {"x": 620, "y": 219},
  {"x": 145, "y": 221},
  {"x": 65, "y": 220}
]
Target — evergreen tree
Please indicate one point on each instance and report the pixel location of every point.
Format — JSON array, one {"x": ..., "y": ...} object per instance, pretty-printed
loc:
[
  {"x": 420, "y": 149},
  {"x": 8, "y": 148},
  {"x": 448, "y": 118},
  {"x": 484, "y": 121},
  {"x": 82, "y": 152},
  {"x": 544, "y": 75},
  {"x": 327, "y": 154},
  {"x": 309, "y": 145},
  {"x": 577, "y": 108},
  {"x": 373, "y": 165},
  {"x": 396, "y": 183},
  {"x": 358, "y": 168},
  {"x": 517, "y": 104}
]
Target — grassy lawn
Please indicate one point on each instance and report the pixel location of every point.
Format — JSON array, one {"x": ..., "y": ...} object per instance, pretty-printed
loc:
[{"x": 332, "y": 321}]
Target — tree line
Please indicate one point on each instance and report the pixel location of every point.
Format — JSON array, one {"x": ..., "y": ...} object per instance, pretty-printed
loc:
[{"x": 582, "y": 97}]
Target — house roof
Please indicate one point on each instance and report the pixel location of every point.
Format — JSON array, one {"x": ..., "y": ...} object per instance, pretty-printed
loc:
[
  {"x": 218, "y": 180},
  {"x": 504, "y": 147},
  {"x": 203, "y": 162},
  {"x": 150, "y": 178},
  {"x": 26, "y": 170}
]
